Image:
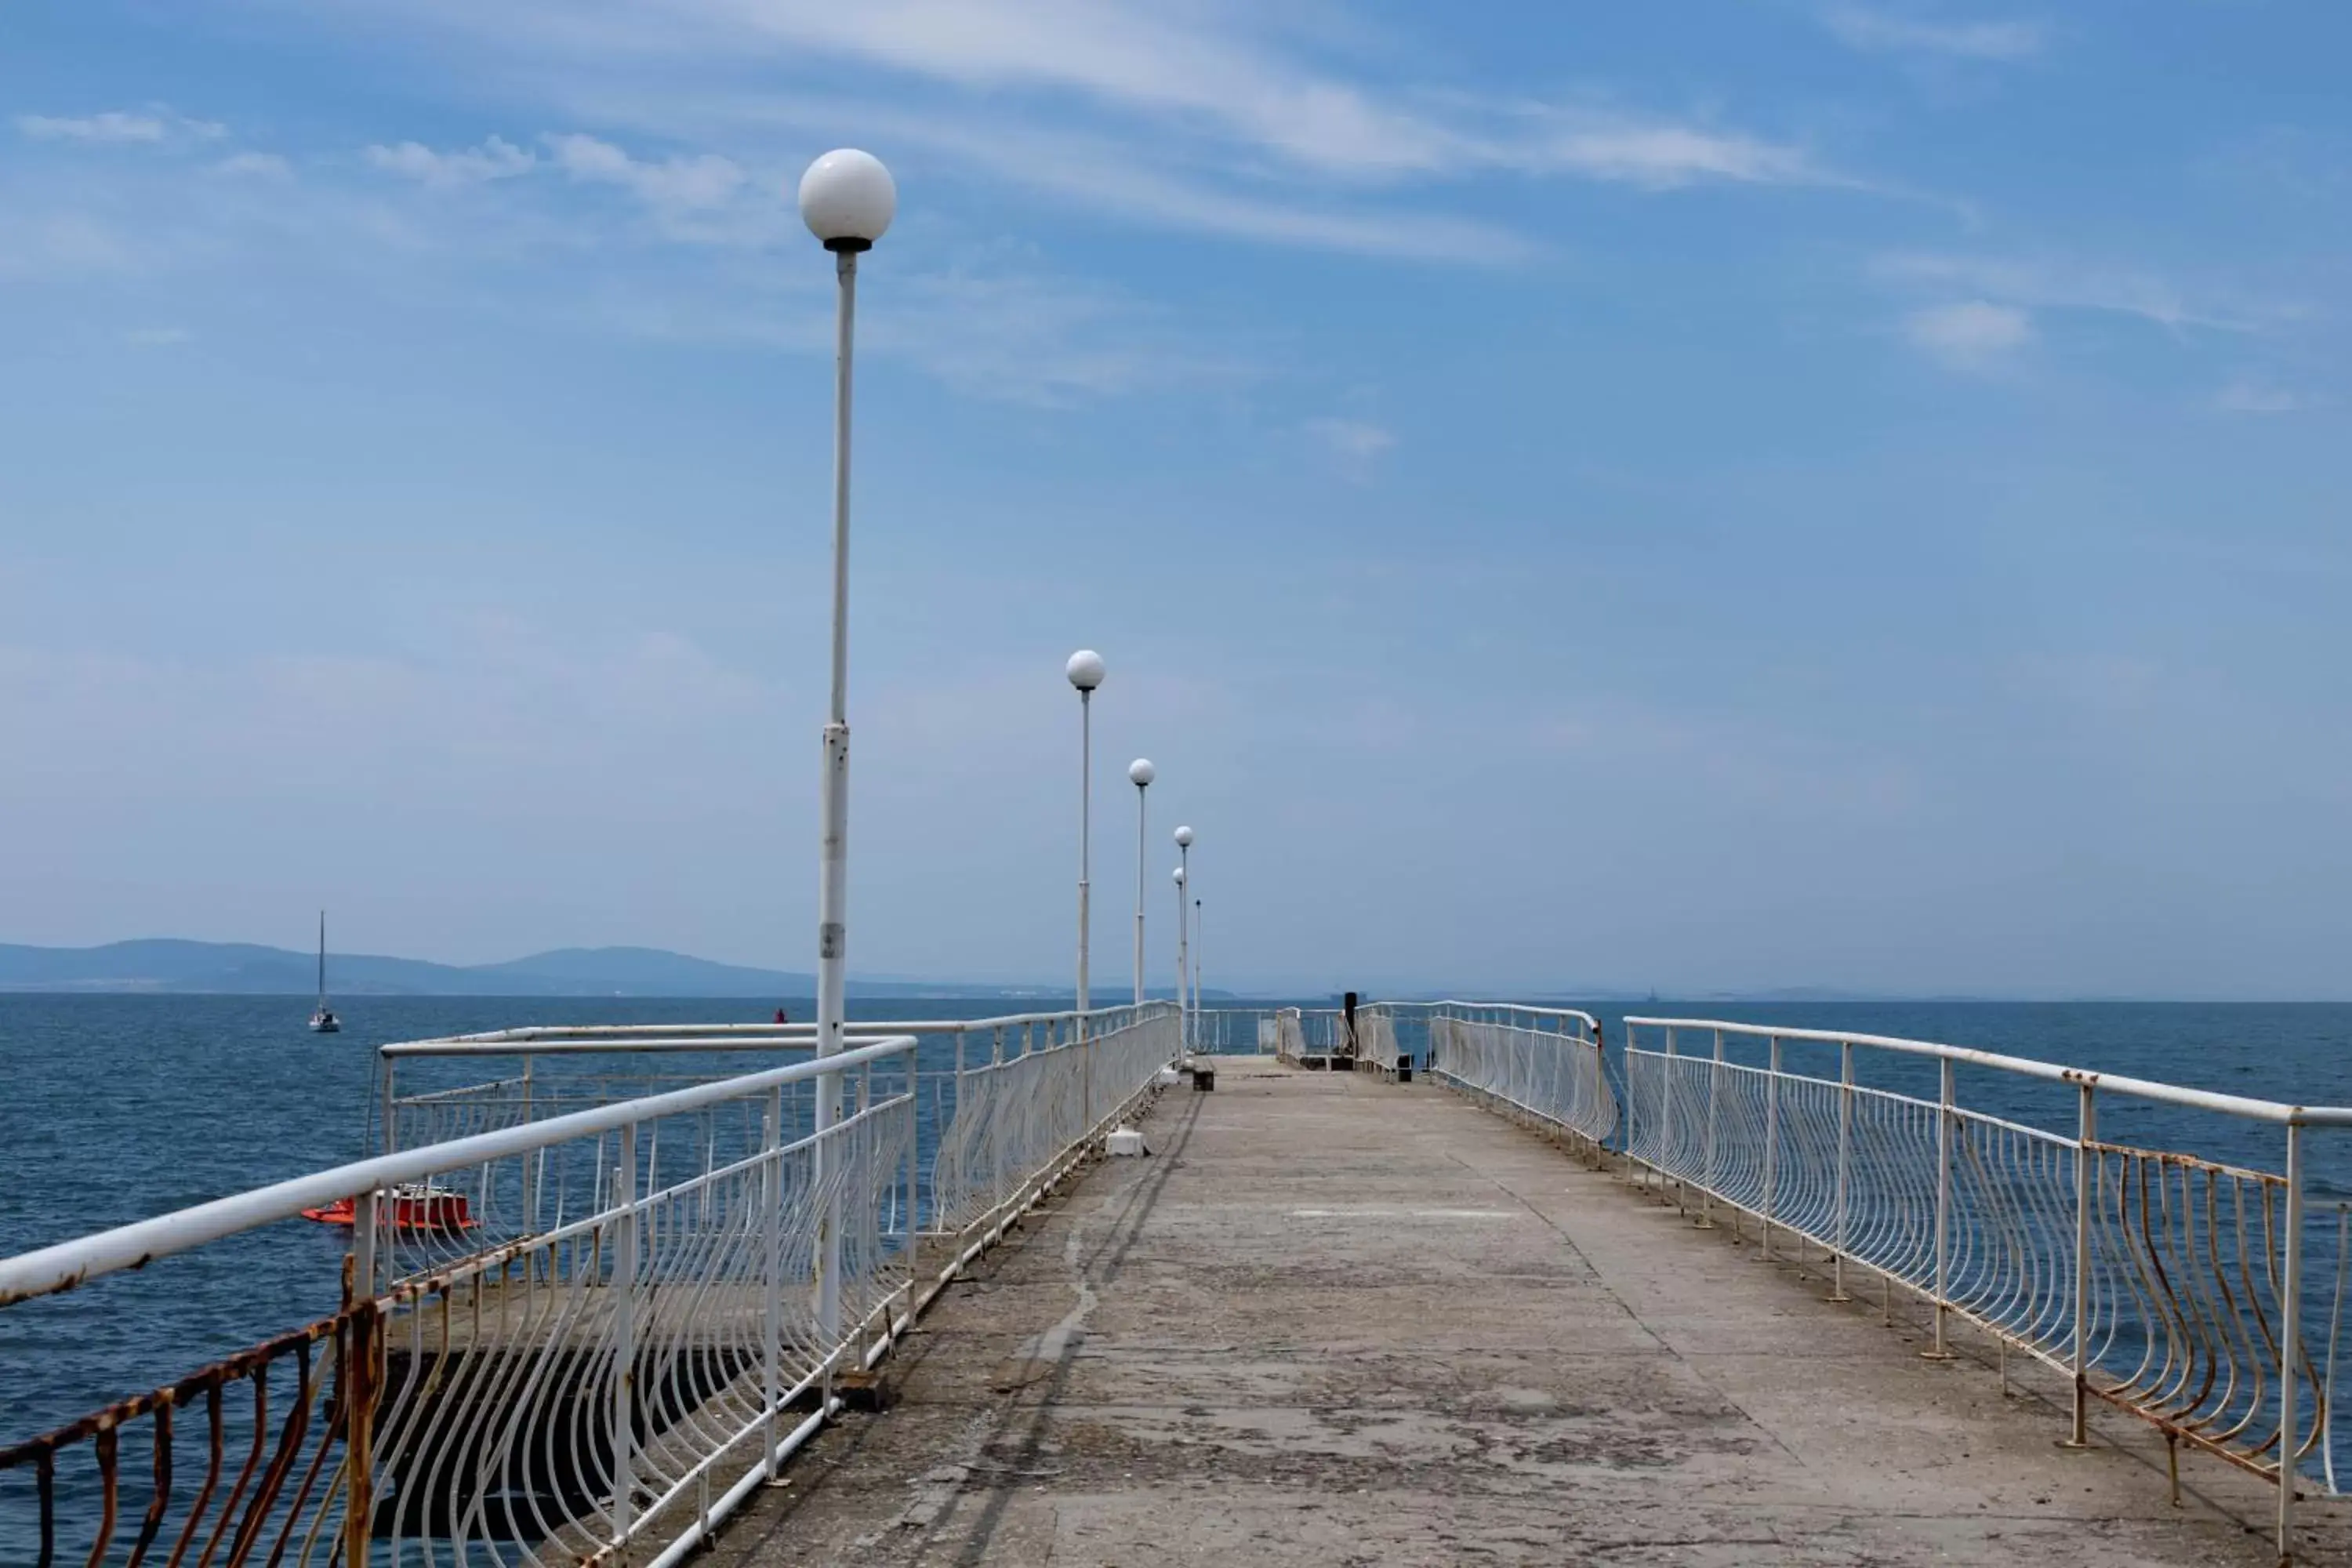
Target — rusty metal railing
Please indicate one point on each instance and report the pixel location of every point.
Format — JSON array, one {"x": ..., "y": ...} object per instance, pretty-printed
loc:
[{"x": 601, "y": 1350}]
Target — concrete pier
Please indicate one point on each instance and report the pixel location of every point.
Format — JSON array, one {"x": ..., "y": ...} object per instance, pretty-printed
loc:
[{"x": 1338, "y": 1320}]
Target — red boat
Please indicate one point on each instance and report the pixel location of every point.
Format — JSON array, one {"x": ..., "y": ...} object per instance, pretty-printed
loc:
[{"x": 414, "y": 1207}]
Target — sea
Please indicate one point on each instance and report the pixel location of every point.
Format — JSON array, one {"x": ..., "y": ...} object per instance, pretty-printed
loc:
[{"x": 116, "y": 1108}]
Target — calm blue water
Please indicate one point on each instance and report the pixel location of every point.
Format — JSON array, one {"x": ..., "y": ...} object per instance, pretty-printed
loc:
[{"x": 114, "y": 1108}]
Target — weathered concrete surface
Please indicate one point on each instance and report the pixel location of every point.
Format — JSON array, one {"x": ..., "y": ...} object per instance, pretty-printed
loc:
[{"x": 1338, "y": 1322}]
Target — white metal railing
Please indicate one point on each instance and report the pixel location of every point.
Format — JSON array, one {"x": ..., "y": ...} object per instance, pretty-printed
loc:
[
  {"x": 586, "y": 1334},
  {"x": 1376, "y": 1039},
  {"x": 1320, "y": 1033},
  {"x": 1014, "y": 1112},
  {"x": 549, "y": 1070},
  {"x": 1235, "y": 1031},
  {"x": 2178, "y": 1287},
  {"x": 1543, "y": 1063}
]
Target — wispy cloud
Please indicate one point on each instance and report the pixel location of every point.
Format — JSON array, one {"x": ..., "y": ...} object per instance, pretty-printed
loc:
[
  {"x": 1203, "y": 116},
  {"x": 1657, "y": 154},
  {"x": 119, "y": 127},
  {"x": 1356, "y": 444},
  {"x": 2047, "y": 284},
  {"x": 495, "y": 159},
  {"x": 1881, "y": 31},
  {"x": 1970, "y": 334},
  {"x": 157, "y": 337},
  {"x": 687, "y": 182},
  {"x": 255, "y": 166},
  {"x": 2253, "y": 394}
]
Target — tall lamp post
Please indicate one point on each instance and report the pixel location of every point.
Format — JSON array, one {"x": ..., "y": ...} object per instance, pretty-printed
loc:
[
  {"x": 1197, "y": 946},
  {"x": 847, "y": 199},
  {"x": 1139, "y": 773},
  {"x": 1182, "y": 1018},
  {"x": 1184, "y": 1000},
  {"x": 1086, "y": 672}
]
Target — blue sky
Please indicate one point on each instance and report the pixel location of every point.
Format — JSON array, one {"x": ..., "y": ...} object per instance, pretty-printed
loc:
[{"x": 1709, "y": 496}]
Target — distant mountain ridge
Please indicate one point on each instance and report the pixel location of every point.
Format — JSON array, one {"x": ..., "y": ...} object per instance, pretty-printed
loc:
[{"x": 172, "y": 964}]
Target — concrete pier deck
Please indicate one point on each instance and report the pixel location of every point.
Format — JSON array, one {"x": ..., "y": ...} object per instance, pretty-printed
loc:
[{"x": 1337, "y": 1321}]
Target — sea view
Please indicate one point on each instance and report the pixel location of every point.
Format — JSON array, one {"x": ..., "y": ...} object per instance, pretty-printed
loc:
[{"x": 122, "y": 1106}]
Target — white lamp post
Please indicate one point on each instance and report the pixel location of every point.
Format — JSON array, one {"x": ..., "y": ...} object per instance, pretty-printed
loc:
[
  {"x": 847, "y": 199},
  {"x": 1139, "y": 773},
  {"x": 1197, "y": 944},
  {"x": 1185, "y": 1001},
  {"x": 1086, "y": 672},
  {"x": 1183, "y": 1018}
]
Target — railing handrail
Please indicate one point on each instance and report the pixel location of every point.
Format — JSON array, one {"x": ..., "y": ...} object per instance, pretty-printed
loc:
[
  {"x": 551, "y": 1038},
  {"x": 2027, "y": 1067},
  {"x": 68, "y": 1264},
  {"x": 1590, "y": 1022}
]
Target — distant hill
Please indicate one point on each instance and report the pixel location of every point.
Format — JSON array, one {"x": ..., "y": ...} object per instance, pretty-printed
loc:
[{"x": 165, "y": 964}]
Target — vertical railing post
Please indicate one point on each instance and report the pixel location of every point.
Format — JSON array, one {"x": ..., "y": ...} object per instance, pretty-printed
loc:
[
  {"x": 1707, "y": 1158},
  {"x": 391, "y": 1121},
  {"x": 914, "y": 1228},
  {"x": 530, "y": 1182},
  {"x": 1771, "y": 1142},
  {"x": 2290, "y": 1342},
  {"x": 826, "y": 1159},
  {"x": 1944, "y": 1119},
  {"x": 625, "y": 1334},
  {"x": 2087, "y": 1133},
  {"x": 359, "y": 1381},
  {"x": 772, "y": 1270},
  {"x": 1000, "y": 1118},
  {"x": 1844, "y": 1167},
  {"x": 1668, "y": 1131}
]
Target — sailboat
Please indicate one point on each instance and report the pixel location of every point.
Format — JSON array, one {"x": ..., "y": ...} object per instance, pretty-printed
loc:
[{"x": 324, "y": 1022}]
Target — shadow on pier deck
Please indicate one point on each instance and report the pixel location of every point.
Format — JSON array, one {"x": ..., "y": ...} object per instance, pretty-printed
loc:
[{"x": 1338, "y": 1320}]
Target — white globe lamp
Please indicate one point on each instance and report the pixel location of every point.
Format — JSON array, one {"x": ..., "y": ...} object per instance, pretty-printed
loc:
[{"x": 847, "y": 199}]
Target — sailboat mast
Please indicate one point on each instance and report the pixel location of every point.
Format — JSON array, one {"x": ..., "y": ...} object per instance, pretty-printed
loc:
[{"x": 322, "y": 961}]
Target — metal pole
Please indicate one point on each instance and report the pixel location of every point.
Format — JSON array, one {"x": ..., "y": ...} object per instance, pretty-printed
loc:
[
  {"x": 1196, "y": 964},
  {"x": 529, "y": 1186},
  {"x": 1666, "y": 1121},
  {"x": 625, "y": 1333},
  {"x": 832, "y": 883},
  {"x": 1706, "y": 1163},
  {"x": 2087, "y": 1133},
  {"x": 2290, "y": 1341},
  {"x": 359, "y": 1380},
  {"x": 1845, "y": 1164},
  {"x": 1943, "y": 1212},
  {"x": 1183, "y": 949},
  {"x": 772, "y": 1285},
  {"x": 1141, "y": 792},
  {"x": 1086, "y": 829},
  {"x": 1771, "y": 1142}
]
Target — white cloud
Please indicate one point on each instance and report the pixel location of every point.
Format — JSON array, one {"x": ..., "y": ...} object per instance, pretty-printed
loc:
[
  {"x": 1205, "y": 116},
  {"x": 1353, "y": 441},
  {"x": 1973, "y": 334},
  {"x": 2076, "y": 285},
  {"x": 1661, "y": 156},
  {"x": 255, "y": 166},
  {"x": 2252, "y": 395},
  {"x": 701, "y": 182},
  {"x": 117, "y": 127},
  {"x": 1884, "y": 32},
  {"x": 495, "y": 159},
  {"x": 157, "y": 337}
]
